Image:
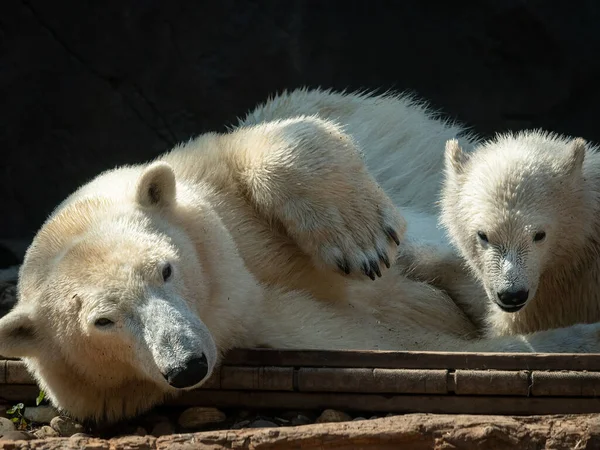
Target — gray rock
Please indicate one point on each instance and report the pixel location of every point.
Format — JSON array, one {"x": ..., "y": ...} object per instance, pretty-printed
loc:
[
  {"x": 66, "y": 426},
  {"x": 140, "y": 431},
  {"x": 332, "y": 415},
  {"x": 17, "y": 436},
  {"x": 162, "y": 428},
  {"x": 261, "y": 423},
  {"x": 300, "y": 420},
  {"x": 240, "y": 425},
  {"x": 79, "y": 436},
  {"x": 45, "y": 432},
  {"x": 6, "y": 425},
  {"x": 40, "y": 414},
  {"x": 8, "y": 297}
]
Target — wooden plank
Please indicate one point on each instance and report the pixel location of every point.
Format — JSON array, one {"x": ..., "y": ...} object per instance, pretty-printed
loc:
[
  {"x": 491, "y": 382},
  {"x": 258, "y": 378},
  {"x": 26, "y": 393},
  {"x": 407, "y": 360},
  {"x": 412, "y": 360},
  {"x": 434, "y": 404},
  {"x": 568, "y": 383},
  {"x": 16, "y": 373},
  {"x": 406, "y": 381},
  {"x": 431, "y": 404}
]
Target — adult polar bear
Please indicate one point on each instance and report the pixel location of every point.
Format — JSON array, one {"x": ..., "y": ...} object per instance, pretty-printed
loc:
[{"x": 141, "y": 279}]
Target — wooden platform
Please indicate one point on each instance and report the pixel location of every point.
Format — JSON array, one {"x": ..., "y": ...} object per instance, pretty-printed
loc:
[{"x": 400, "y": 382}]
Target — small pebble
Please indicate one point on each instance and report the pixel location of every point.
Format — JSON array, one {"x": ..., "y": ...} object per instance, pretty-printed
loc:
[
  {"x": 332, "y": 415},
  {"x": 6, "y": 425},
  {"x": 300, "y": 420},
  {"x": 17, "y": 436},
  {"x": 240, "y": 425},
  {"x": 140, "y": 431},
  {"x": 358, "y": 419},
  {"x": 260, "y": 423},
  {"x": 45, "y": 432},
  {"x": 390, "y": 415},
  {"x": 79, "y": 436},
  {"x": 289, "y": 415},
  {"x": 373, "y": 417},
  {"x": 198, "y": 416},
  {"x": 66, "y": 426},
  {"x": 163, "y": 428},
  {"x": 40, "y": 414}
]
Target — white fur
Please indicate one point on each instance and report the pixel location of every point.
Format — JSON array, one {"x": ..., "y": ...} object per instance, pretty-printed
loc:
[
  {"x": 259, "y": 226},
  {"x": 513, "y": 187}
]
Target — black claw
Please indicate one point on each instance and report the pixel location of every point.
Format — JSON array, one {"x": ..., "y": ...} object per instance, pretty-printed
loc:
[
  {"x": 344, "y": 267},
  {"x": 368, "y": 271},
  {"x": 393, "y": 235},
  {"x": 384, "y": 258},
  {"x": 375, "y": 268}
]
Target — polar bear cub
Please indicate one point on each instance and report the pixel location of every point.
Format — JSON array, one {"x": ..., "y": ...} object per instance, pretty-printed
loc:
[{"x": 524, "y": 211}]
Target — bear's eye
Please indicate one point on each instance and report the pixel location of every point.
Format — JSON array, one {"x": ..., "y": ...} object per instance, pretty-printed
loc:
[
  {"x": 539, "y": 236},
  {"x": 482, "y": 236},
  {"x": 167, "y": 272},
  {"x": 103, "y": 322}
]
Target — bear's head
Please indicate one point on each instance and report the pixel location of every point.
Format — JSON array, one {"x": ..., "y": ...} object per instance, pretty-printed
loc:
[
  {"x": 516, "y": 209},
  {"x": 114, "y": 298}
]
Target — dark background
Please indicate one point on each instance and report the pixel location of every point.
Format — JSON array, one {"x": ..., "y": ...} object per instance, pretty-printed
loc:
[{"x": 85, "y": 86}]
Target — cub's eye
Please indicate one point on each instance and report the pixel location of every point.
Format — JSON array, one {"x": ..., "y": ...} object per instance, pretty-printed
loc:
[
  {"x": 103, "y": 322},
  {"x": 482, "y": 236},
  {"x": 539, "y": 236},
  {"x": 167, "y": 272}
]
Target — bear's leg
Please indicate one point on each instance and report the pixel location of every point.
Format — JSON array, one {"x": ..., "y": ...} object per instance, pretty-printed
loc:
[
  {"x": 443, "y": 268},
  {"x": 581, "y": 338},
  {"x": 307, "y": 175},
  {"x": 422, "y": 319}
]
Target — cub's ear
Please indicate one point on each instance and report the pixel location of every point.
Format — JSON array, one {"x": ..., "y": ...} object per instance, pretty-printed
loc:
[
  {"x": 156, "y": 186},
  {"x": 455, "y": 157},
  {"x": 18, "y": 335},
  {"x": 576, "y": 155}
]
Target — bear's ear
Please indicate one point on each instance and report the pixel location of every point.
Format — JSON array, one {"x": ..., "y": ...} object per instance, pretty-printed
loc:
[
  {"x": 576, "y": 155},
  {"x": 18, "y": 335},
  {"x": 156, "y": 186},
  {"x": 455, "y": 157}
]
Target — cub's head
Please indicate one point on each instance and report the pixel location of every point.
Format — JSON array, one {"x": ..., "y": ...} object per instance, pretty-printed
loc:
[
  {"x": 516, "y": 208},
  {"x": 111, "y": 296}
]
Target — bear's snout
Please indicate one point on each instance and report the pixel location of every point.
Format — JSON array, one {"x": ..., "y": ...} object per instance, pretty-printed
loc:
[
  {"x": 512, "y": 300},
  {"x": 188, "y": 374}
]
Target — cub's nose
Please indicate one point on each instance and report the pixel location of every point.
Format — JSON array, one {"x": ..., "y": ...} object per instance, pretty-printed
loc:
[
  {"x": 513, "y": 298},
  {"x": 188, "y": 374}
]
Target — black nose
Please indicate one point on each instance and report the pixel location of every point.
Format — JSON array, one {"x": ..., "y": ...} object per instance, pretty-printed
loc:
[
  {"x": 513, "y": 298},
  {"x": 188, "y": 374}
]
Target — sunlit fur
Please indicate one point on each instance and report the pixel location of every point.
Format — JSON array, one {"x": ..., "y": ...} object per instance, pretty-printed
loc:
[
  {"x": 254, "y": 223},
  {"x": 510, "y": 188}
]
